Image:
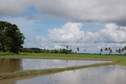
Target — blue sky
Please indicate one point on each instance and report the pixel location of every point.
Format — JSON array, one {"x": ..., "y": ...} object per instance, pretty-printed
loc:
[{"x": 88, "y": 24}]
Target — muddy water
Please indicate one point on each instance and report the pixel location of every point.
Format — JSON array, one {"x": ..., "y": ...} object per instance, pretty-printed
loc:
[
  {"x": 95, "y": 75},
  {"x": 11, "y": 65}
]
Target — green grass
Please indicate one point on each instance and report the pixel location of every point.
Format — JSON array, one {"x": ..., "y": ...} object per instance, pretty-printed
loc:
[
  {"x": 6, "y": 53},
  {"x": 68, "y": 56}
]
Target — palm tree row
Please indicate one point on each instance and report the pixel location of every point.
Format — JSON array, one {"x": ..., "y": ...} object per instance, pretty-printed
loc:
[{"x": 110, "y": 50}]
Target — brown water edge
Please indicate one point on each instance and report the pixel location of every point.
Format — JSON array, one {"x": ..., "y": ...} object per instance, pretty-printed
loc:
[
  {"x": 60, "y": 58},
  {"x": 28, "y": 73}
]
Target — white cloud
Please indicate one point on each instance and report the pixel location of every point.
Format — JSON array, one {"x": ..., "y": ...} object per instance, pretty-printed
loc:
[
  {"x": 73, "y": 33},
  {"x": 114, "y": 33},
  {"x": 70, "y": 32}
]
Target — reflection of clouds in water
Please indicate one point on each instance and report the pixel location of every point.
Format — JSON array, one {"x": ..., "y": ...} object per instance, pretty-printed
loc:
[
  {"x": 116, "y": 75},
  {"x": 94, "y": 75},
  {"x": 52, "y": 63},
  {"x": 97, "y": 75}
]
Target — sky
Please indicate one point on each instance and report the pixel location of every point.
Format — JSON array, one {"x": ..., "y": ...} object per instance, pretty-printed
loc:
[{"x": 54, "y": 24}]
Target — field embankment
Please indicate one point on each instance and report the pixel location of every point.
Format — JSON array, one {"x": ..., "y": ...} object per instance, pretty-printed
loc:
[{"x": 48, "y": 71}]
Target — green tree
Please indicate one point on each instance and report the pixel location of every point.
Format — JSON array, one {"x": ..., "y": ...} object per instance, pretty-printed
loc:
[
  {"x": 110, "y": 51},
  {"x": 11, "y": 39},
  {"x": 106, "y": 49},
  {"x": 119, "y": 51},
  {"x": 78, "y": 49},
  {"x": 67, "y": 47},
  {"x": 101, "y": 50},
  {"x": 124, "y": 47}
]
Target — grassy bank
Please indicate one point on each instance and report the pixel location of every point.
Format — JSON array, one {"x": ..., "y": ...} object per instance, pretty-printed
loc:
[
  {"x": 66, "y": 56},
  {"x": 48, "y": 71}
]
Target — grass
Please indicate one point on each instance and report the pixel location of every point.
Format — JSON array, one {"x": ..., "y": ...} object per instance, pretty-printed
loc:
[
  {"x": 48, "y": 71},
  {"x": 67, "y": 56},
  {"x": 6, "y": 53}
]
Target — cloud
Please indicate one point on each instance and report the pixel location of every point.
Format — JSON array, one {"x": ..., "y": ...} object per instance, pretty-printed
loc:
[
  {"x": 84, "y": 10},
  {"x": 73, "y": 33},
  {"x": 71, "y": 10},
  {"x": 114, "y": 33},
  {"x": 25, "y": 26},
  {"x": 70, "y": 32},
  {"x": 36, "y": 41},
  {"x": 13, "y": 7}
]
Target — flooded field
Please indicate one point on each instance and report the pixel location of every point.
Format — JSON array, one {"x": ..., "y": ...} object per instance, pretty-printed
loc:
[
  {"x": 94, "y": 75},
  {"x": 11, "y": 65}
]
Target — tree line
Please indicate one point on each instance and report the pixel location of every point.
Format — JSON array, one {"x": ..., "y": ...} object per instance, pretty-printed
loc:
[{"x": 38, "y": 50}]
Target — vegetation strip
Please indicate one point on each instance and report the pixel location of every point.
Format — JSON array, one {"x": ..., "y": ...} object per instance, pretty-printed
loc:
[
  {"x": 65, "y": 56},
  {"x": 48, "y": 71}
]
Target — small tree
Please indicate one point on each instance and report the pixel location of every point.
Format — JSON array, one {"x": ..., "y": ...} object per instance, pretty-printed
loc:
[
  {"x": 119, "y": 51},
  {"x": 84, "y": 50},
  {"x": 101, "y": 50},
  {"x": 78, "y": 49},
  {"x": 110, "y": 51},
  {"x": 67, "y": 47},
  {"x": 106, "y": 49}
]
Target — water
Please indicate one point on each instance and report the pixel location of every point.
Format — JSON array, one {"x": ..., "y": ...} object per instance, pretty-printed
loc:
[
  {"x": 11, "y": 65},
  {"x": 94, "y": 75}
]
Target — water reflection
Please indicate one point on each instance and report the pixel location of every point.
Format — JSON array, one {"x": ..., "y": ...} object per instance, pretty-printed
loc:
[
  {"x": 29, "y": 64},
  {"x": 11, "y": 65},
  {"x": 96, "y": 75}
]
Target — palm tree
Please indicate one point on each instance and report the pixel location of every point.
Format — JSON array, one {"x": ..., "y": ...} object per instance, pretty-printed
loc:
[
  {"x": 124, "y": 47},
  {"x": 78, "y": 49},
  {"x": 67, "y": 47},
  {"x": 110, "y": 51},
  {"x": 106, "y": 49},
  {"x": 101, "y": 50},
  {"x": 119, "y": 51}
]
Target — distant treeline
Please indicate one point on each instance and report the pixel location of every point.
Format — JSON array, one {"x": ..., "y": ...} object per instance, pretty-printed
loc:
[{"x": 38, "y": 50}]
